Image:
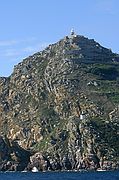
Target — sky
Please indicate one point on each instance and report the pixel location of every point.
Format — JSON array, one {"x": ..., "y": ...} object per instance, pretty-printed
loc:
[{"x": 28, "y": 26}]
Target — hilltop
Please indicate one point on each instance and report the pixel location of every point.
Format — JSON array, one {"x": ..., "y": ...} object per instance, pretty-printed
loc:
[{"x": 59, "y": 109}]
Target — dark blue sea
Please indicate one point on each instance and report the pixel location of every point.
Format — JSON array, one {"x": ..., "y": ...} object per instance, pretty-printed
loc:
[{"x": 61, "y": 176}]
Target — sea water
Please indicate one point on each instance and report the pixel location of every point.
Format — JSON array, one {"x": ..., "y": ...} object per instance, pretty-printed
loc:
[{"x": 114, "y": 175}]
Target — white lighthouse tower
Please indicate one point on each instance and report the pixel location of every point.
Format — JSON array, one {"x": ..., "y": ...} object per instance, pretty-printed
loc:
[{"x": 72, "y": 33}]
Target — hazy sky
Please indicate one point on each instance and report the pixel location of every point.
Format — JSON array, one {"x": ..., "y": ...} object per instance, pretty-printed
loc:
[{"x": 27, "y": 26}]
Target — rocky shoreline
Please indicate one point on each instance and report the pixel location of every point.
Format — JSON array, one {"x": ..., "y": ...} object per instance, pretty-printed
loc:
[
  {"x": 40, "y": 163},
  {"x": 15, "y": 158}
]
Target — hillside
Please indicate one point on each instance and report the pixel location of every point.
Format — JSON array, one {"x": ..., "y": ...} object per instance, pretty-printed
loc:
[{"x": 59, "y": 109}]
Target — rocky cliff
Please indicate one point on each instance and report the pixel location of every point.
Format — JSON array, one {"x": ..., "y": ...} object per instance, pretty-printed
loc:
[{"x": 59, "y": 109}]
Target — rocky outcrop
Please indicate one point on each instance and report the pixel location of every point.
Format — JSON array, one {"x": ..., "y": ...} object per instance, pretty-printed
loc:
[
  {"x": 59, "y": 109},
  {"x": 12, "y": 156}
]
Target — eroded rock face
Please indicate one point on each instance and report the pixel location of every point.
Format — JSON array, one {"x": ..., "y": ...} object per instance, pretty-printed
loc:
[{"x": 62, "y": 104}]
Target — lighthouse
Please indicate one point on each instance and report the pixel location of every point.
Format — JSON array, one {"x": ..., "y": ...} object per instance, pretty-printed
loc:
[{"x": 72, "y": 33}]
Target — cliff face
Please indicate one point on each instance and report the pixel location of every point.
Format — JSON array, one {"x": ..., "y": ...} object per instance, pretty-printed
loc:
[{"x": 62, "y": 104}]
